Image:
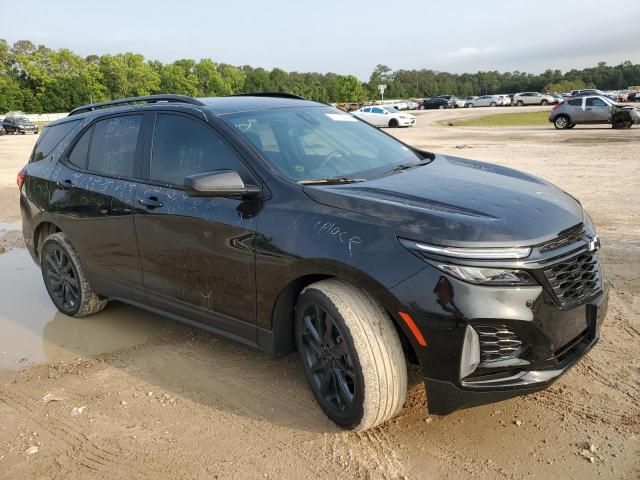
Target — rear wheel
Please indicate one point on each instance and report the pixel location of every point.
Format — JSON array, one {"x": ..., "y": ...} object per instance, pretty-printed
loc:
[
  {"x": 519, "y": 103},
  {"x": 441, "y": 107},
  {"x": 65, "y": 278},
  {"x": 561, "y": 122},
  {"x": 492, "y": 104},
  {"x": 351, "y": 353},
  {"x": 544, "y": 103},
  {"x": 469, "y": 105},
  {"x": 393, "y": 123}
]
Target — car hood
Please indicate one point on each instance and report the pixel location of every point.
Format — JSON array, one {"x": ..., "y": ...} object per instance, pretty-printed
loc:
[{"x": 459, "y": 202}]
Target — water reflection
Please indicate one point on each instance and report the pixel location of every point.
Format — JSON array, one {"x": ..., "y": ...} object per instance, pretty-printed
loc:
[{"x": 33, "y": 331}]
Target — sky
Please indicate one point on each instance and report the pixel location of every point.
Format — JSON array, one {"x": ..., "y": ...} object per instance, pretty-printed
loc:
[{"x": 341, "y": 36}]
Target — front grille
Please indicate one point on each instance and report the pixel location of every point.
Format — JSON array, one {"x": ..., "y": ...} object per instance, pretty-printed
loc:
[
  {"x": 498, "y": 343},
  {"x": 574, "y": 279},
  {"x": 570, "y": 236}
]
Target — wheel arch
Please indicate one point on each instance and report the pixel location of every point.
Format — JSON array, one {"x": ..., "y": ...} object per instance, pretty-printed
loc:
[
  {"x": 280, "y": 341},
  {"x": 41, "y": 232}
]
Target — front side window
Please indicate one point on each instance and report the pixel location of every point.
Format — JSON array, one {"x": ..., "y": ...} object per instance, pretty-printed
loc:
[
  {"x": 114, "y": 144},
  {"x": 183, "y": 146},
  {"x": 321, "y": 142},
  {"x": 595, "y": 102}
]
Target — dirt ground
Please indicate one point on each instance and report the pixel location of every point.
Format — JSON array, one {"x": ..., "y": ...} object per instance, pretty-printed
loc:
[{"x": 127, "y": 394}]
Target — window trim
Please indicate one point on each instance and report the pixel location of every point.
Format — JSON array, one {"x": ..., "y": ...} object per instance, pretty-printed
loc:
[
  {"x": 137, "y": 161},
  {"x": 145, "y": 174}
]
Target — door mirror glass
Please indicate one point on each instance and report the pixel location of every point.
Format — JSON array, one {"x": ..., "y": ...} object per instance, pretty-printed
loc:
[{"x": 221, "y": 183}]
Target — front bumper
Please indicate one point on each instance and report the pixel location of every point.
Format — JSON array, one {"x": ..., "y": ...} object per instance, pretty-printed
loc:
[
  {"x": 445, "y": 397},
  {"x": 553, "y": 337}
]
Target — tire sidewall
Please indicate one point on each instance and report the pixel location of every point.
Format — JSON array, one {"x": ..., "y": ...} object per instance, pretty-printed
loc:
[
  {"x": 49, "y": 243},
  {"x": 308, "y": 298}
]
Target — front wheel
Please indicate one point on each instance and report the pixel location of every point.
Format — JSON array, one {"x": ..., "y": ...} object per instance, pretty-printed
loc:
[
  {"x": 351, "y": 353},
  {"x": 544, "y": 103},
  {"x": 469, "y": 105},
  {"x": 520, "y": 103},
  {"x": 393, "y": 123},
  {"x": 561, "y": 122},
  {"x": 492, "y": 104}
]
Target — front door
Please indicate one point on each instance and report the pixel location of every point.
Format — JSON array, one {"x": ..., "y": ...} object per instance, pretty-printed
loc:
[
  {"x": 597, "y": 110},
  {"x": 197, "y": 252}
]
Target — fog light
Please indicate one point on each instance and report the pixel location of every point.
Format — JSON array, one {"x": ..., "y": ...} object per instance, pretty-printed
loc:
[{"x": 470, "y": 358}]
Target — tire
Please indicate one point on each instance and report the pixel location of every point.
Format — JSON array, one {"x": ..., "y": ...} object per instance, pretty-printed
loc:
[
  {"x": 492, "y": 104},
  {"x": 441, "y": 107},
  {"x": 519, "y": 103},
  {"x": 470, "y": 105},
  {"x": 544, "y": 103},
  {"x": 361, "y": 353},
  {"x": 561, "y": 122},
  {"x": 393, "y": 123},
  {"x": 60, "y": 264}
]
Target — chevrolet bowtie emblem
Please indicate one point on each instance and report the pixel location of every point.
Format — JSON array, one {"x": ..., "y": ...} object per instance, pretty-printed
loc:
[{"x": 594, "y": 244}]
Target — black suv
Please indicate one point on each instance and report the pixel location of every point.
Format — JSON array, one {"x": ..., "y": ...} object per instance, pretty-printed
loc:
[
  {"x": 289, "y": 225},
  {"x": 20, "y": 125}
]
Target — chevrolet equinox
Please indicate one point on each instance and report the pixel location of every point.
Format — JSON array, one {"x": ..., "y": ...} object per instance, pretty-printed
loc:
[{"x": 288, "y": 225}]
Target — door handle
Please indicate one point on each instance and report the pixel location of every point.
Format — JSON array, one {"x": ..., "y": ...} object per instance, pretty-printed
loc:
[
  {"x": 150, "y": 202},
  {"x": 64, "y": 184}
]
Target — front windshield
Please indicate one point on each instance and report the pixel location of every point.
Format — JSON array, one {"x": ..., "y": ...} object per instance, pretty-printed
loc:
[
  {"x": 22, "y": 121},
  {"x": 309, "y": 143}
]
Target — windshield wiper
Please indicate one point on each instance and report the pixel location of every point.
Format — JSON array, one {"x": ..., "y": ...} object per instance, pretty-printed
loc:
[
  {"x": 331, "y": 181},
  {"x": 407, "y": 165}
]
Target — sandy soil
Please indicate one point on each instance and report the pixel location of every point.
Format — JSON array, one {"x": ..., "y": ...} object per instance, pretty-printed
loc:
[{"x": 126, "y": 394}]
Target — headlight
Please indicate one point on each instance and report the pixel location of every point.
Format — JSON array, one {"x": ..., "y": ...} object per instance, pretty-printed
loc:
[
  {"x": 487, "y": 276},
  {"x": 471, "y": 253}
]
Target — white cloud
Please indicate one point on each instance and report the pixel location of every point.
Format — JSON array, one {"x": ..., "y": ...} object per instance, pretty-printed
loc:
[{"x": 470, "y": 52}]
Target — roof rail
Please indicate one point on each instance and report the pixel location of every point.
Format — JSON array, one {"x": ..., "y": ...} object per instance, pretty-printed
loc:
[
  {"x": 269, "y": 94},
  {"x": 131, "y": 100}
]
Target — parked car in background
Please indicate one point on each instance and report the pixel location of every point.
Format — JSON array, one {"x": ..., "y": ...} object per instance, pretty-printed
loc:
[
  {"x": 411, "y": 105},
  {"x": 19, "y": 125},
  {"x": 558, "y": 97},
  {"x": 504, "y": 100},
  {"x": 469, "y": 100},
  {"x": 436, "y": 103},
  {"x": 485, "y": 101},
  {"x": 290, "y": 226},
  {"x": 532, "y": 98},
  {"x": 593, "y": 91},
  {"x": 385, "y": 116},
  {"x": 453, "y": 100},
  {"x": 594, "y": 109}
]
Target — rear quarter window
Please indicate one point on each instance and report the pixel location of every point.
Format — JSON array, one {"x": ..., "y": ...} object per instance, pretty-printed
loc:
[{"x": 50, "y": 137}]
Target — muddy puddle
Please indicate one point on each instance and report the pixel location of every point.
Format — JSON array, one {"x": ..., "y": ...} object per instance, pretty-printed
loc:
[{"x": 32, "y": 330}]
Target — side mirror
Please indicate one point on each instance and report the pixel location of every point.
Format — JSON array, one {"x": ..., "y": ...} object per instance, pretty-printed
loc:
[{"x": 221, "y": 183}]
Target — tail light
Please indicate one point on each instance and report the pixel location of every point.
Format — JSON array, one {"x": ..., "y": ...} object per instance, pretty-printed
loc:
[
  {"x": 21, "y": 176},
  {"x": 557, "y": 106}
]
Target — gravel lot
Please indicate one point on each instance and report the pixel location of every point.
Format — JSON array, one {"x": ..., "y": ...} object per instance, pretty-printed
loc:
[{"x": 127, "y": 394}]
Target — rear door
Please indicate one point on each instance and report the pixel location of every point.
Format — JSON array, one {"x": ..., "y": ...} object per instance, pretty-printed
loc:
[
  {"x": 574, "y": 108},
  {"x": 196, "y": 252},
  {"x": 93, "y": 190}
]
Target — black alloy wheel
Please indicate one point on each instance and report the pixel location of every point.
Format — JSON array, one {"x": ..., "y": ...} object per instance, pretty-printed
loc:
[
  {"x": 329, "y": 362},
  {"x": 61, "y": 279}
]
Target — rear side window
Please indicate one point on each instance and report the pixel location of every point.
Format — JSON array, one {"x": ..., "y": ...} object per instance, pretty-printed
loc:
[
  {"x": 80, "y": 152},
  {"x": 183, "y": 146},
  {"x": 113, "y": 145},
  {"x": 50, "y": 138},
  {"x": 576, "y": 102}
]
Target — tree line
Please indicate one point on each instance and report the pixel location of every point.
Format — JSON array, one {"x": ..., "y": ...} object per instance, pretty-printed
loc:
[{"x": 38, "y": 79}]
